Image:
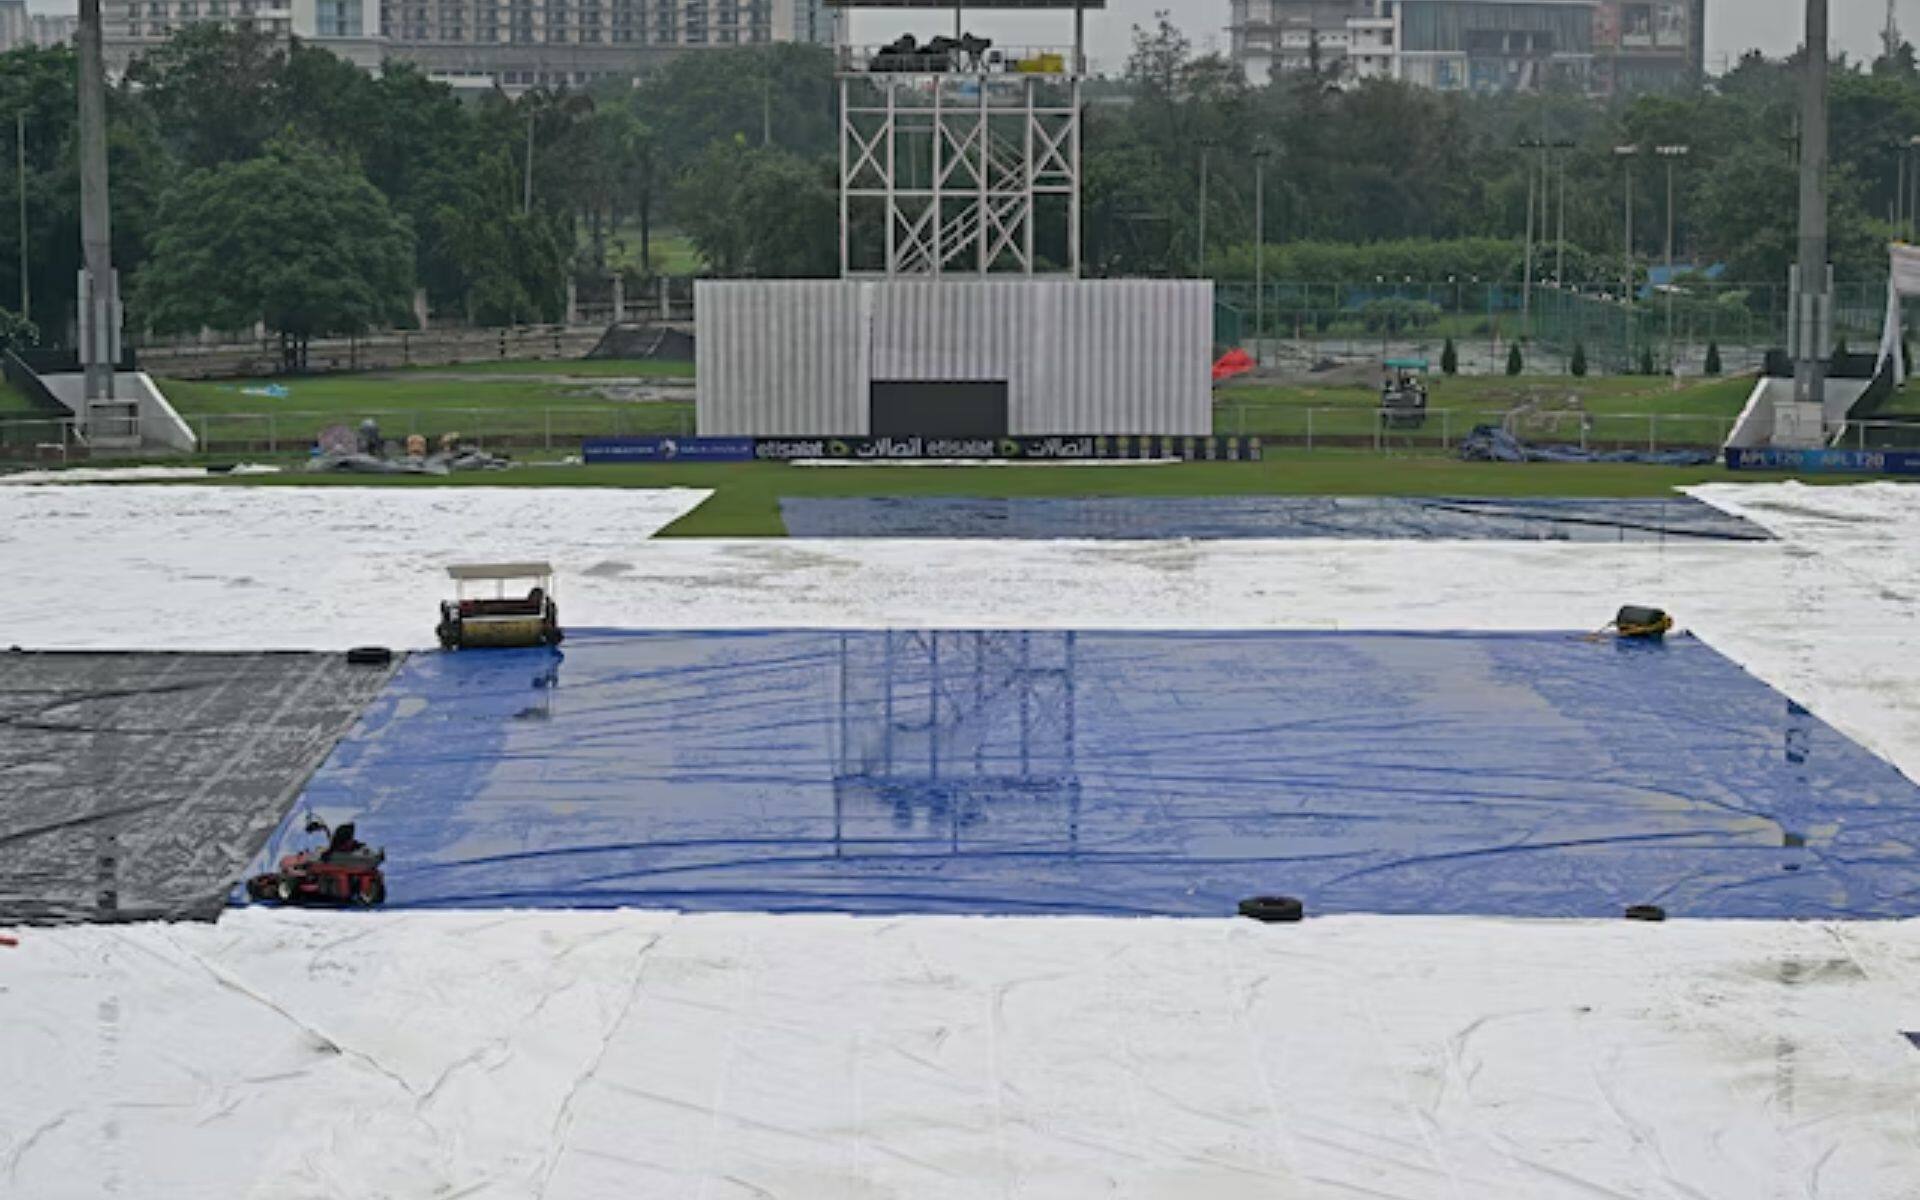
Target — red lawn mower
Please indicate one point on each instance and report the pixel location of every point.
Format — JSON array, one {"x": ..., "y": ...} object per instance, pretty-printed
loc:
[{"x": 344, "y": 871}]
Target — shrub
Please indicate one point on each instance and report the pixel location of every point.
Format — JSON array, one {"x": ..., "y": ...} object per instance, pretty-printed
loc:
[
  {"x": 1515, "y": 364},
  {"x": 1579, "y": 364}
]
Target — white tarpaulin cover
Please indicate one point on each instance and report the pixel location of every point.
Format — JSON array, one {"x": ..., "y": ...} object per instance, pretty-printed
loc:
[
  {"x": 578, "y": 1056},
  {"x": 572, "y": 1055}
]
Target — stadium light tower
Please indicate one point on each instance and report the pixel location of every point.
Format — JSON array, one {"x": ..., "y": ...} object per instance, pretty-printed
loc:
[
  {"x": 1672, "y": 154},
  {"x": 1801, "y": 420},
  {"x": 1627, "y": 154},
  {"x": 959, "y": 157},
  {"x": 99, "y": 303}
]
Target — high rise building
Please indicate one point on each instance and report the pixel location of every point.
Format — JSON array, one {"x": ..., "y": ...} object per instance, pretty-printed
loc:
[
  {"x": 1595, "y": 46},
  {"x": 18, "y": 27},
  {"x": 513, "y": 44}
]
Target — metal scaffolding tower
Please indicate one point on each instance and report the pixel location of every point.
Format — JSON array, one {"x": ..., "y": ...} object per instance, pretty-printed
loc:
[{"x": 957, "y": 157}]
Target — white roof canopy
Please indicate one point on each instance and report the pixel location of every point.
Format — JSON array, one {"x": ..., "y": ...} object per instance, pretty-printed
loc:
[{"x": 522, "y": 570}]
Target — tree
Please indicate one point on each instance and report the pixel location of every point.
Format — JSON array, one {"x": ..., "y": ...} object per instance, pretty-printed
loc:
[
  {"x": 1646, "y": 360},
  {"x": 504, "y": 264},
  {"x": 16, "y": 332},
  {"x": 1714, "y": 366},
  {"x": 296, "y": 239},
  {"x": 1579, "y": 364},
  {"x": 212, "y": 91},
  {"x": 1450, "y": 358},
  {"x": 1515, "y": 364},
  {"x": 755, "y": 212}
]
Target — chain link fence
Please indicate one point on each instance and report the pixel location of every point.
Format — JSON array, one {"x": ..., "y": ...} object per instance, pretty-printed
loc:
[
  {"x": 295, "y": 432},
  {"x": 1289, "y": 324},
  {"x": 1440, "y": 429},
  {"x": 561, "y": 429}
]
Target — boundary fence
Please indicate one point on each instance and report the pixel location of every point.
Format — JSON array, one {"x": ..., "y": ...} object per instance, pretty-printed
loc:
[
  {"x": 190, "y": 359},
  {"x": 562, "y": 429},
  {"x": 1671, "y": 324}
]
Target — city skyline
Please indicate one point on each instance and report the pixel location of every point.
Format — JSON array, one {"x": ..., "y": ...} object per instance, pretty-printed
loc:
[{"x": 1771, "y": 26}]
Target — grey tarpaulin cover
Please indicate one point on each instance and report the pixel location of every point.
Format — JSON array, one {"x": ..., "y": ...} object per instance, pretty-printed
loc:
[
  {"x": 1368, "y": 518},
  {"x": 138, "y": 785}
]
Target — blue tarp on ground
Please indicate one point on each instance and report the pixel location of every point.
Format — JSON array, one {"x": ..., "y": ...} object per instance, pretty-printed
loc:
[
  {"x": 1364, "y": 517},
  {"x": 1491, "y": 443},
  {"x": 1113, "y": 773}
]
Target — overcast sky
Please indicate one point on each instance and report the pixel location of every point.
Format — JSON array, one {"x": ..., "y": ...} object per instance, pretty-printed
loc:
[{"x": 1733, "y": 26}]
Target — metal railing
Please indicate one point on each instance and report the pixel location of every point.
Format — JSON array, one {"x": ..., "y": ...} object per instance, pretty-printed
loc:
[
  {"x": 1384, "y": 430},
  {"x": 494, "y": 428},
  {"x": 562, "y": 428},
  {"x": 1742, "y": 319},
  {"x": 188, "y": 358},
  {"x": 38, "y": 439},
  {"x": 1879, "y": 434}
]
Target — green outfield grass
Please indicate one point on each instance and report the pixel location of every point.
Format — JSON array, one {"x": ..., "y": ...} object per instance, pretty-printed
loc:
[
  {"x": 549, "y": 403},
  {"x": 747, "y": 495},
  {"x": 14, "y": 403}
]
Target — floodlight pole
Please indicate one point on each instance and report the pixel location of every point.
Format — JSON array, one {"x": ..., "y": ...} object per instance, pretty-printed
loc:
[
  {"x": 97, "y": 318},
  {"x": 1259, "y": 247},
  {"x": 1206, "y": 161},
  {"x": 1813, "y": 312},
  {"x": 20, "y": 167},
  {"x": 1560, "y": 240},
  {"x": 1526, "y": 282},
  {"x": 526, "y": 184},
  {"x": 1672, "y": 154},
  {"x": 1627, "y": 154}
]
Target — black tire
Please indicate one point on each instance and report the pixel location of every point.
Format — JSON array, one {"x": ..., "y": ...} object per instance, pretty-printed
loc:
[
  {"x": 283, "y": 890},
  {"x": 1646, "y": 912},
  {"x": 370, "y": 656},
  {"x": 1273, "y": 909},
  {"x": 372, "y": 893}
]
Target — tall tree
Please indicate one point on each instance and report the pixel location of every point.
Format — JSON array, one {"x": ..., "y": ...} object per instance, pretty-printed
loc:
[
  {"x": 296, "y": 239},
  {"x": 213, "y": 91}
]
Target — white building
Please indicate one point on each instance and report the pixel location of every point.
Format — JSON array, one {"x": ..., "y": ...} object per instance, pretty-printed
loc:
[
  {"x": 18, "y": 27},
  {"x": 1596, "y": 46},
  {"x": 514, "y": 44}
]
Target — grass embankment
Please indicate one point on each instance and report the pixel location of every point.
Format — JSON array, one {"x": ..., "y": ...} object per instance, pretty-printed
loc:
[
  {"x": 746, "y": 500},
  {"x": 521, "y": 402},
  {"x": 14, "y": 403}
]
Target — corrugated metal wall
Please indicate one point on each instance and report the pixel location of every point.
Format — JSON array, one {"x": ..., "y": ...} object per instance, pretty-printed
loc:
[
  {"x": 785, "y": 358},
  {"x": 780, "y": 359}
]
